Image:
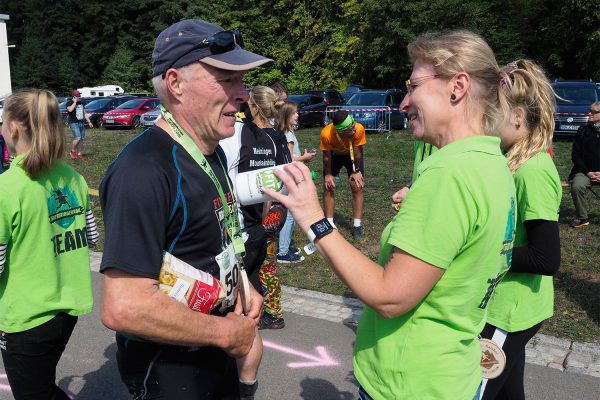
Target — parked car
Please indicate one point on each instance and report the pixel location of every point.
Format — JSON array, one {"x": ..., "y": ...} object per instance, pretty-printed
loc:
[
  {"x": 99, "y": 107},
  {"x": 311, "y": 109},
  {"x": 1, "y": 108},
  {"x": 149, "y": 118},
  {"x": 350, "y": 90},
  {"x": 330, "y": 97},
  {"x": 129, "y": 113},
  {"x": 375, "y": 103},
  {"x": 573, "y": 105}
]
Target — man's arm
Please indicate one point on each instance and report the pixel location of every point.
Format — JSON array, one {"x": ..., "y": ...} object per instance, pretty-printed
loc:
[
  {"x": 577, "y": 152},
  {"x": 72, "y": 106},
  {"x": 135, "y": 305}
]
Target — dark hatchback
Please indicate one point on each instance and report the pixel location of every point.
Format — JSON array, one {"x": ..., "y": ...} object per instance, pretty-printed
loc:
[
  {"x": 99, "y": 107},
  {"x": 311, "y": 109},
  {"x": 573, "y": 105},
  {"x": 63, "y": 107},
  {"x": 378, "y": 109}
]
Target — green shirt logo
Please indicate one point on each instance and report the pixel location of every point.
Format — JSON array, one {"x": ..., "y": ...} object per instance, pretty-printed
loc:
[{"x": 63, "y": 206}]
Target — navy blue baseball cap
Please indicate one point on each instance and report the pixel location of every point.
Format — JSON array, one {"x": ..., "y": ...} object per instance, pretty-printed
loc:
[{"x": 191, "y": 40}]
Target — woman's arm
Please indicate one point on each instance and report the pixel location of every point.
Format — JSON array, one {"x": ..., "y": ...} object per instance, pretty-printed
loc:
[{"x": 541, "y": 255}]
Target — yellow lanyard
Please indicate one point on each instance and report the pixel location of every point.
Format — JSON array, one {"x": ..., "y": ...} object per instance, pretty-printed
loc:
[{"x": 351, "y": 150}]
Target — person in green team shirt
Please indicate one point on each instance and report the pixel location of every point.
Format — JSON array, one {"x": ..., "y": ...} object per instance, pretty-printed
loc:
[
  {"x": 525, "y": 297},
  {"x": 46, "y": 226},
  {"x": 443, "y": 253},
  {"x": 422, "y": 151}
]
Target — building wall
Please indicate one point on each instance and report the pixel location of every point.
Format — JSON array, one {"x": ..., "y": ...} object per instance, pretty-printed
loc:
[{"x": 5, "y": 85}]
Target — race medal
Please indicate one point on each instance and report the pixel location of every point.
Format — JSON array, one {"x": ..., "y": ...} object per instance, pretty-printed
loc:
[
  {"x": 493, "y": 359},
  {"x": 244, "y": 290}
]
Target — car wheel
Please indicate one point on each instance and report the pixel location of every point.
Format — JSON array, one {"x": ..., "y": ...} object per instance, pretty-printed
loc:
[
  {"x": 135, "y": 122},
  {"x": 98, "y": 123},
  {"x": 66, "y": 120},
  {"x": 382, "y": 127},
  {"x": 405, "y": 122}
]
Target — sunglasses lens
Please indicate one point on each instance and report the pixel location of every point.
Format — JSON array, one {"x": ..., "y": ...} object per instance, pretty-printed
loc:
[{"x": 225, "y": 41}]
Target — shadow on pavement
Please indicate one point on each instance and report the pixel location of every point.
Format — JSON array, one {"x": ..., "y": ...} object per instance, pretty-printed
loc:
[
  {"x": 316, "y": 388},
  {"x": 104, "y": 383}
]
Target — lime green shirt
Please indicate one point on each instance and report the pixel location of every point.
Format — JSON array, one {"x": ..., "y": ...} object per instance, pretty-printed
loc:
[
  {"x": 458, "y": 216},
  {"x": 523, "y": 300},
  {"x": 47, "y": 268},
  {"x": 422, "y": 151}
]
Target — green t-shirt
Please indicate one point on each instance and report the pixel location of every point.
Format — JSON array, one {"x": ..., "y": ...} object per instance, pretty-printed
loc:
[
  {"x": 47, "y": 268},
  {"x": 523, "y": 300},
  {"x": 458, "y": 216},
  {"x": 422, "y": 151}
]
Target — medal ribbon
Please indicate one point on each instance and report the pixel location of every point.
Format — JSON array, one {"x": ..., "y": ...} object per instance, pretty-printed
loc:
[
  {"x": 351, "y": 150},
  {"x": 231, "y": 218}
]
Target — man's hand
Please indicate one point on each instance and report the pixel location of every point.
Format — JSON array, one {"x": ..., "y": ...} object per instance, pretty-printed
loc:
[
  {"x": 240, "y": 334},
  {"x": 594, "y": 176},
  {"x": 330, "y": 183},
  {"x": 256, "y": 304},
  {"x": 90, "y": 124},
  {"x": 356, "y": 179}
]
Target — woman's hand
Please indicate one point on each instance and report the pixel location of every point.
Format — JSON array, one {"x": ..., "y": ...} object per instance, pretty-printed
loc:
[
  {"x": 398, "y": 198},
  {"x": 302, "y": 199}
]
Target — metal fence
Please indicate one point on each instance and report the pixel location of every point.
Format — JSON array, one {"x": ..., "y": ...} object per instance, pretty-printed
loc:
[{"x": 373, "y": 118}]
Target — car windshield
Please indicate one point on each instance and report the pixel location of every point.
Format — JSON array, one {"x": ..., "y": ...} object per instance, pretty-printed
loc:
[
  {"x": 576, "y": 95},
  {"x": 96, "y": 104},
  {"x": 366, "y": 99},
  {"x": 63, "y": 105},
  {"x": 131, "y": 104},
  {"x": 298, "y": 98}
]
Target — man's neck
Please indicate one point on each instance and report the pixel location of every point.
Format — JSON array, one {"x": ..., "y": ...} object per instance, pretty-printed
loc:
[{"x": 205, "y": 147}]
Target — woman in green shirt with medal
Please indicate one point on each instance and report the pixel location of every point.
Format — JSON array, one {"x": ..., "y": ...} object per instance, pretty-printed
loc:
[
  {"x": 443, "y": 253},
  {"x": 525, "y": 297}
]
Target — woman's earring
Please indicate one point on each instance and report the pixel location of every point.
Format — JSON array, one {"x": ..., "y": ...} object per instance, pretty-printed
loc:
[{"x": 453, "y": 97}]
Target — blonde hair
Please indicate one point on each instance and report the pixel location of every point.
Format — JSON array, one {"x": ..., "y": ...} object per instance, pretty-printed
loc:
[
  {"x": 266, "y": 100},
  {"x": 37, "y": 113},
  {"x": 524, "y": 84},
  {"x": 464, "y": 51},
  {"x": 283, "y": 121}
]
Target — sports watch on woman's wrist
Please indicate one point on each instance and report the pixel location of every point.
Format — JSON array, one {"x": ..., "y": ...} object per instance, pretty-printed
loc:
[{"x": 319, "y": 229}]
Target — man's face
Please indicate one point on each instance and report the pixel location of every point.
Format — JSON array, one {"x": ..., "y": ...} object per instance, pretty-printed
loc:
[
  {"x": 595, "y": 115},
  {"x": 348, "y": 133},
  {"x": 210, "y": 99}
]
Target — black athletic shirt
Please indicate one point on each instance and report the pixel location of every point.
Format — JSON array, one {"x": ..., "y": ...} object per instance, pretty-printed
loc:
[{"x": 156, "y": 198}]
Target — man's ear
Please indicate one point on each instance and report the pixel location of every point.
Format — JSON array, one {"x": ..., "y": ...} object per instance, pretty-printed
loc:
[{"x": 174, "y": 81}]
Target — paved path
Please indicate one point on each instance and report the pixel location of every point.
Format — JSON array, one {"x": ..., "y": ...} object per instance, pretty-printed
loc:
[{"x": 561, "y": 354}]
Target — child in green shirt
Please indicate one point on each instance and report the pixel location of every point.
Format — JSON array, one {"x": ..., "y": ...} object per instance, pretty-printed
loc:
[{"x": 46, "y": 226}]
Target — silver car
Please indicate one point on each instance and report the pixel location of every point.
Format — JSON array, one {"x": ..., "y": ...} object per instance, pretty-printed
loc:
[{"x": 149, "y": 118}]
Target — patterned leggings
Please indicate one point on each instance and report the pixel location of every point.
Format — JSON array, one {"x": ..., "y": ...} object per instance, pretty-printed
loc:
[{"x": 269, "y": 281}]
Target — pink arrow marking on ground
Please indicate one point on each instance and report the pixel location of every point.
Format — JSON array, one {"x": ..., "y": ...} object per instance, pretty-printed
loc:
[
  {"x": 5, "y": 388},
  {"x": 322, "y": 359}
]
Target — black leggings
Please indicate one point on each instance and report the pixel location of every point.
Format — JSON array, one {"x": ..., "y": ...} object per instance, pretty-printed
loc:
[
  {"x": 30, "y": 358},
  {"x": 509, "y": 385}
]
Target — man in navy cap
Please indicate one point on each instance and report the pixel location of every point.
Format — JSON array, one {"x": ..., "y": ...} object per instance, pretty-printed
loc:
[{"x": 168, "y": 192}]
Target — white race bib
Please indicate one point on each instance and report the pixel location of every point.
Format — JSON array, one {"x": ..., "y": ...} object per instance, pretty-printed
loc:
[{"x": 229, "y": 275}]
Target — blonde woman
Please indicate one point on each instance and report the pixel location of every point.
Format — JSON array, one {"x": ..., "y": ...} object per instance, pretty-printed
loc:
[
  {"x": 286, "y": 122},
  {"x": 46, "y": 226},
  {"x": 446, "y": 249},
  {"x": 525, "y": 297}
]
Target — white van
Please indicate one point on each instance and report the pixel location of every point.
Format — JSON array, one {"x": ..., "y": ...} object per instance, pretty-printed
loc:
[{"x": 101, "y": 91}]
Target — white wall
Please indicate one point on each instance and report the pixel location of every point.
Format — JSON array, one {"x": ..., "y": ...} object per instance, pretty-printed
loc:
[{"x": 5, "y": 86}]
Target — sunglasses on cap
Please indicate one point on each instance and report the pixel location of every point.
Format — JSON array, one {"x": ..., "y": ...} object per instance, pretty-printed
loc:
[{"x": 218, "y": 43}]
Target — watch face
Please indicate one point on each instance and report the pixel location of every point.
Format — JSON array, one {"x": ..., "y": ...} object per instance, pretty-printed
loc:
[{"x": 321, "y": 227}]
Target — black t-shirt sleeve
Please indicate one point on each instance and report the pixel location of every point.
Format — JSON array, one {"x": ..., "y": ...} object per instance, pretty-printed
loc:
[
  {"x": 135, "y": 203},
  {"x": 541, "y": 255}
]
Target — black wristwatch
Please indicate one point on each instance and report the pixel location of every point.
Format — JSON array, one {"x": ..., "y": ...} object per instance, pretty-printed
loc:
[{"x": 319, "y": 229}]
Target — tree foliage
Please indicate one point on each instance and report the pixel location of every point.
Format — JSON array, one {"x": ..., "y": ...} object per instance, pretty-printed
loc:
[{"x": 314, "y": 43}]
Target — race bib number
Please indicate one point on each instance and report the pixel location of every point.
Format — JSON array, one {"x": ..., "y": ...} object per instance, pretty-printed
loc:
[{"x": 229, "y": 275}]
